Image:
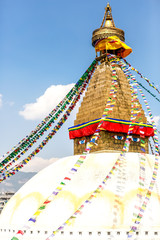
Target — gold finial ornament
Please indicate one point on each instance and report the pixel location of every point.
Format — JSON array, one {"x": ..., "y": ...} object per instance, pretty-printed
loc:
[
  {"x": 108, "y": 16},
  {"x": 107, "y": 28}
]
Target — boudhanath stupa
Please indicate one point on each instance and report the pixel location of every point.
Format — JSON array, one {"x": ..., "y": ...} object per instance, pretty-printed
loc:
[{"x": 110, "y": 187}]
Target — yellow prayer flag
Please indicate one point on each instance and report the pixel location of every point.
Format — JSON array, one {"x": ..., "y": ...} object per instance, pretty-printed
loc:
[
  {"x": 76, "y": 165},
  {"x": 37, "y": 213},
  {"x": 68, "y": 222},
  {"x": 142, "y": 145}
]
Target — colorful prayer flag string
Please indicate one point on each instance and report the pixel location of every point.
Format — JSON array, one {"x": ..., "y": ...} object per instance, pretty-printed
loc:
[
  {"x": 155, "y": 170},
  {"x": 147, "y": 80},
  {"x": 153, "y": 95},
  {"x": 46, "y": 123},
  {"x": 17, "y": 167},
  {"x": 80, "y": 161}
]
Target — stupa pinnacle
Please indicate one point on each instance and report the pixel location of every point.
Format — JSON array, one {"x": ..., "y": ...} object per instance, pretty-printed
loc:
[
  {"x": 108, "y": 16},
  {"x": 107, "y": 28},
  {"x": 107, "y": 39}
]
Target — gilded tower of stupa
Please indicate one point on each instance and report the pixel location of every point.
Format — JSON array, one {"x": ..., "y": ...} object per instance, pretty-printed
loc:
[{"x": 95, "y": 99}]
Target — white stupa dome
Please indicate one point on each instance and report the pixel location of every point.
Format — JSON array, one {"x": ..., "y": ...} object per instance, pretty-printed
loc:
[{"x": 98, "y": 216}]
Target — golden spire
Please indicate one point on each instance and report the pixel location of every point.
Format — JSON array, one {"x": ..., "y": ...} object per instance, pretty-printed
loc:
[
  {"x": 107, "y": 28},
  {"x": 108, "y": 17}
]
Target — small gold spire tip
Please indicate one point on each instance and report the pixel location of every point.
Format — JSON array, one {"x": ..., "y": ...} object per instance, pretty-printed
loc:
[
  {"x": 108, "y": 19},
  {"x": 108, "y": 8}
]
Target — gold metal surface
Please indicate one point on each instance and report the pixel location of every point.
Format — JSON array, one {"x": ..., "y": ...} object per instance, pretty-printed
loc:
[
  {"x": 106, "y": 32},
  {"x": 108, "y": 23},
  {"x": 107, "y": 28},
  {"x": 108, "y": 15}
]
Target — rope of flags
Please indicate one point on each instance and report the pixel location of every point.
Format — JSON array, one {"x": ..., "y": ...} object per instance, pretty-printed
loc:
[
  {"x": 141, "y": 187},
  {"x": 120, "y": 190},
  {"x": 147, "y": 80},
  {"x": 17, "y": 167},
  {"x": 141, "y": 156},
  {"x": 153, "y": 95},
  {"x": 122, "y": 178},
  {"x": 79, "y": 162},
  {"x": 7, "y": 173},
  {"x": 142, "y": 159},
  {"x": 146, "y": 199},
  {"x": 30, "y": 139},
  {"x": 120, "y": 187},
  {"x": 141, "y": 183},
  {"x": 155, "y": 169},
  {"x": 154, "y": 174},
  {"x": 25, "y": 141}
]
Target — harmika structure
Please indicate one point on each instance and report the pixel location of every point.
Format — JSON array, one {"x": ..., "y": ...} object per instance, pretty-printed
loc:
[{"x": 110, "y": 188}]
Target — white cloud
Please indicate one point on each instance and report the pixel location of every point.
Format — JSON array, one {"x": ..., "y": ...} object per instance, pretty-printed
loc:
[
  {"x": 45, "y": 103},
  {"x": 156, "y": 120},
  {"x": 0, "y": 100},
  {"x": 38, "y": 164}
]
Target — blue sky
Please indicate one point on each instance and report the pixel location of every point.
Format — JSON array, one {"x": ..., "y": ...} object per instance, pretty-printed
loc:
[{"x": 45, "y": 43}]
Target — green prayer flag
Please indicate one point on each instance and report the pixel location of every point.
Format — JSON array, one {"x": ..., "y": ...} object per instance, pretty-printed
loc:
[{"x": 42, "y": 207}]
